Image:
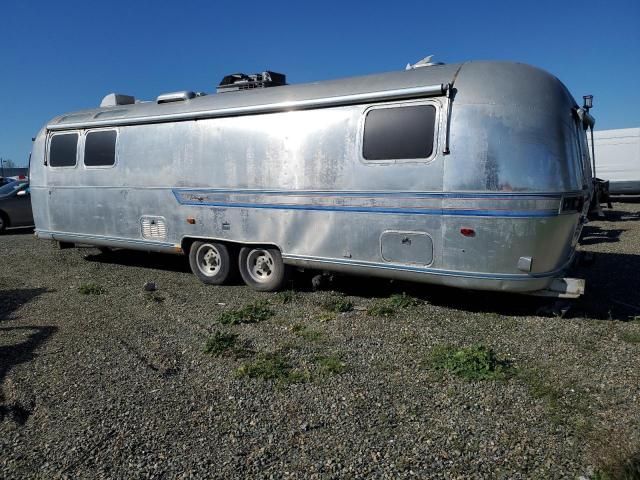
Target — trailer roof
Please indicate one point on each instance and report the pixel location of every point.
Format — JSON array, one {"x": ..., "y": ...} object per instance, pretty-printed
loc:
[{"x": 414, "y": 83}]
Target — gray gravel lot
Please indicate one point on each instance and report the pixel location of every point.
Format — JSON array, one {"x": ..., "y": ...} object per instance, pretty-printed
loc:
[{"x": 115, "y": 382}]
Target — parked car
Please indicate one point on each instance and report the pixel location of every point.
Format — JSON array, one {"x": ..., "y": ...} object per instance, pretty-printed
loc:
[{"x": 15, "y": 205}]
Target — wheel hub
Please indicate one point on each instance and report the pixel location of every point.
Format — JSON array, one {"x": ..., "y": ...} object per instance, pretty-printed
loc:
[
  {"x": 260, "y": 263},
  {"x": 209, "y": 261}
]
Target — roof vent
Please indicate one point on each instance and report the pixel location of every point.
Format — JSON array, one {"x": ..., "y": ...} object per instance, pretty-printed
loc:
[
  {"x": 114, "y": 99},
  {"x": 241, "y": 81},
  {"x": 425, "y": 62},
  {"x": 175, "y": 97}
]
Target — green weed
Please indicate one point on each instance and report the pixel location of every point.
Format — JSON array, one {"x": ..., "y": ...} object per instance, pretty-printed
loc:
[
  {"x": 92, "y": 289},
  {"x": 331, "y": 365},
  {"x": 272, "y": 366},
  {"x": 326, "y": 316},
  {"x": 387, "y": 307},
  {"x": 337, "y": 304},
  {"x": 306, "y": 332},
  {"x": 287, "y": 296},
  {"x": 402, "y": 300},
  {"x": 476, "y": 362},
  {"x": 222, "y": 343},
  {"x": 630, "y": 337},
  {"x": 255, "y": 312}
]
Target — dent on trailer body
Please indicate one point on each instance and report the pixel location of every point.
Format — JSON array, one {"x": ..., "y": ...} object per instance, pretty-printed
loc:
[{"x": 293, "y": 175}]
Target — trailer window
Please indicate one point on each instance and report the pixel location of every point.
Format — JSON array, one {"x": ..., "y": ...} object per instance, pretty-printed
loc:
[
  {"x": 399, "y": 133},
  {"x": 100, "y": 148},
  {"x": 63, "y": 149}
]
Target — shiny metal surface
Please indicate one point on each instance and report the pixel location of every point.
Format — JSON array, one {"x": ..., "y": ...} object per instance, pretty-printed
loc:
[
  {"x": 296, "y": 179},
  {"x": 175, "y": 97},
  {"x": 339, "y": 100}
]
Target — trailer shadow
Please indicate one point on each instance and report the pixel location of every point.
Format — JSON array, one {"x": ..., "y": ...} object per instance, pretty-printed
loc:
[
  {"x": 133, "y": 258},
  {"x": 448, "y": 297},
  {"x": 12, "y": 299},
  {"x": 611, "y": 292},
  {"x": 592, "y": 235},
  {"x": 621, "y": 216},
  {"x": 17, "y": 231},
  {"x": 17, "y": 350},
  {"x": 625, "y": 198}
]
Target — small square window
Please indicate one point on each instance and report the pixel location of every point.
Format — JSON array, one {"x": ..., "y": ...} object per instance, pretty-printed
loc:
[
  {"x": 100, "y": 148},
  {"x": 63, "y": 149}
]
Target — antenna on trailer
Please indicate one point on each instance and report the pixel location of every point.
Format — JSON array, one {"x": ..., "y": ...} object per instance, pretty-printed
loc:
[
  {"x": 425, "y": 62},
  {"x": 588, "y": 105}
]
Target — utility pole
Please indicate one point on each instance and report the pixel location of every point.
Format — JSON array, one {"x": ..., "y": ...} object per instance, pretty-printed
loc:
[{"x": 2, "y": 165}]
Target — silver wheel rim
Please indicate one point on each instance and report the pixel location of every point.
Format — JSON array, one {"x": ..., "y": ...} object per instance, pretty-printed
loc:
[
  {"x": 209, "y": 260},
  {"x": 260, "y": 265}
]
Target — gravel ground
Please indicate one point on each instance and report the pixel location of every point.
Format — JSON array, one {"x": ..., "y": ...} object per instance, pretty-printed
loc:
[{"x": 115, "y": 382}]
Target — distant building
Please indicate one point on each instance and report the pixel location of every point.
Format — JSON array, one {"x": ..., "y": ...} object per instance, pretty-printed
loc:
[{"x": 13, "y": 171}]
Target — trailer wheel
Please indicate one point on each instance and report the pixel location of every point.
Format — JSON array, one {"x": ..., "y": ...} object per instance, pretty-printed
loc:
[
  {"x": 262, "y": 268},
  {"x": 210, "y": 262}
]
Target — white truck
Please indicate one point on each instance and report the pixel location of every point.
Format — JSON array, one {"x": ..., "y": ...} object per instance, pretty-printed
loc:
[{"x": 617, "y": 155}]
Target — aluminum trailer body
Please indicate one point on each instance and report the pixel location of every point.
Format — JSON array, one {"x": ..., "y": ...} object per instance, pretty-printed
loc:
[
  {"x": 492, "y": 195},
  {"x": 617, "y": 154}
]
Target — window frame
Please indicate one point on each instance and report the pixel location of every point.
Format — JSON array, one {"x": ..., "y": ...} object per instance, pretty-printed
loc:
[
  {"x": 78, "y": 134},
  {"x": 86, "y": 133},
  {"x": 407, "y": 103}
]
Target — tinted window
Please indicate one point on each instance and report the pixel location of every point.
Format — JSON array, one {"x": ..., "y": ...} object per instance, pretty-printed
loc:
[
  {"x": 62, "y": 150},
  {"x": 398, "y": 133},
  {"x": 100, "y": 148}
]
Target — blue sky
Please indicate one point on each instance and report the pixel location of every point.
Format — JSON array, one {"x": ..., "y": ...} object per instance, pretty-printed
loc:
[{"x": 61, "y": 56}]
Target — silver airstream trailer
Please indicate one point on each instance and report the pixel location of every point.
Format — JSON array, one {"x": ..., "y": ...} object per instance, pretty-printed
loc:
[{"x": 472, "y": 175}]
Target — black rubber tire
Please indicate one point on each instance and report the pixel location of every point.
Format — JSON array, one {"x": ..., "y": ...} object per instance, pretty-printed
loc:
[
  {"x": 4, "y": 222},
  {"x": 221, "y": 257},
  {"x": 278, "y": 271}
]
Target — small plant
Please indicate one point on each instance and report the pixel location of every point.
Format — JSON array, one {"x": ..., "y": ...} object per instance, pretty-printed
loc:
[
  {"x": 287, "y": 296},
  {"x": 630, "y": 337},
  {"x": 331, "y": 365},
  {"x": 306, "y": 332},
  {"x": 389, "y": 306},
  {"x": 91, "y": 289},
  {"x": 381, "y": 308},
  {"x": 326, "y": 316},
  {"x": 402, "y": 300},
  {"x": 272, "y": 366},
  {"x": 221, "y": 343},
  {"x": 337, "y": 304},
  {"x": 476, "y": 362},
  {"x": 255, "y": 312}
]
